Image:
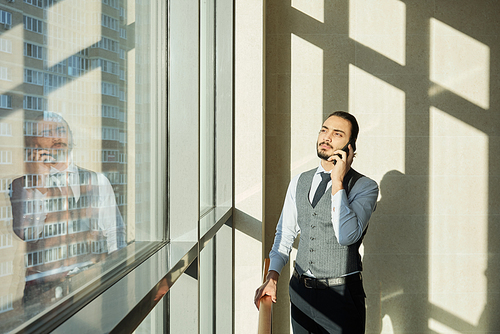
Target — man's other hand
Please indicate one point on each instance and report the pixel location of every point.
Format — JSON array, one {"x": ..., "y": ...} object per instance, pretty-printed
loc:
[{"x": 269, "y": 288}]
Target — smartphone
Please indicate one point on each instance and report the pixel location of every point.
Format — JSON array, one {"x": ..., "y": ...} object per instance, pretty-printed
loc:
[{"x": 346, "y": 149}]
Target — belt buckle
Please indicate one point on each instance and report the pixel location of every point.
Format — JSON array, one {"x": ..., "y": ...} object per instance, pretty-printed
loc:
[{"x": 309, "y": 282}]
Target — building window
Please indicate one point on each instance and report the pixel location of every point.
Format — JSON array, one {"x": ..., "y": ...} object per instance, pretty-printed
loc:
[
  {"x": 36, "y": 3},
  {"x": 5, "y": 129},
  {"x": 5, "y": 18},
  {"x": 54, "y": 229},
  {"x": 33, "y": 233},
  {"x": 79, "y": 248},
  {"x": 6, "y": 303},
  {"x": 54, "y": 254},
  {"x": 5, "y": 73},
  {"x": 5, "y": 240},
  {"x": 33, "y": 51},
  {"x": 34, "y": 258},
  {"x": 34, "y": 103},
  {"x": 6, "y": 268},
  {"x": 6, "y": 101},
  {"x": 33, "y": 77},
  {"x": 5, "y": 45},
  {"x": 5, "y": 157},
  {"x": 33, "y": 24}
]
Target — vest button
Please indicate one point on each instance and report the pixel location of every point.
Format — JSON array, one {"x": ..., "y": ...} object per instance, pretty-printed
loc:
[
  {"x": 314, "y": 214},
  {"x": 312, "y": 238},
  {"x": 311, "y": 250},
  {"x": 310, "y": 262}
]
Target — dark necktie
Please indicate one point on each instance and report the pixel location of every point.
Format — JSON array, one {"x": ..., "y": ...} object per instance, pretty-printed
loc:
[{"x": 325, "y": 178}]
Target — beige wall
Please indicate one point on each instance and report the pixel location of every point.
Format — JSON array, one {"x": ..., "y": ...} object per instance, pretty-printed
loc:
[
  {"x": 249, "y": 156},
  {"x": 421, "y": 77}
]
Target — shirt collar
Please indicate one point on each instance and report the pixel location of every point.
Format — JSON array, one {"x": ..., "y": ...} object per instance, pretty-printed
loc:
[
  {"x": 321, "y": 170},
  {"x": 71, "y": 169}
]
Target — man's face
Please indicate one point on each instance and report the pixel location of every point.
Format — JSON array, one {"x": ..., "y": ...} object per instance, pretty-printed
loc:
[
  {"x": 54, "y": 137},
  {"x": 334, "y": 135}
]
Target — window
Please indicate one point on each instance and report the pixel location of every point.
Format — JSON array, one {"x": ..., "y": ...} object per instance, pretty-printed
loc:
[
  {"x": 5, "y": 73},
  {"x": 107, "y": 44},
  {"x": 5, "y": 240},
  {"x": 5, "y": 17},
  {"x": 6, "y": 268},
  {"x": 4, "y": 185},
  {"x": 55, "y": 254},
  {"x": 34, "y": 51},
  {"x": 5, "y": 45},
  {"x": 123, "y": 33},
  {"x": 5, "y": 157},
  {"x": 6, "y": 303},
  {"x": 5, "y": 129},
  {"x": 33, "y": 77},
  {"x": 36, "y": 3},
  {"x": 109, "y": 22},
  {"x": 54, "y": 229},
  {"x": 77, "y": 249},
  {"x": 6, "y": 101},
  {"x": 33, "y": 233},
  {"x": 33, "y": 24},
  {"x": 33, "y": 259},
  {"x": 34, "y": 103}
]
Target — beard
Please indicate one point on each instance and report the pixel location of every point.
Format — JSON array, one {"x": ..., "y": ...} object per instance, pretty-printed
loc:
[{"x": 322, "y": 154}]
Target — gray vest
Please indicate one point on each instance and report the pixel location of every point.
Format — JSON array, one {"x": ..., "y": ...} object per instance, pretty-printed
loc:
[{"x": 319, "y": 250}]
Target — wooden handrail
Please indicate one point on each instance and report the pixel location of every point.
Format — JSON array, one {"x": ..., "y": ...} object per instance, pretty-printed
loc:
[{"x": 266, "y": 307}]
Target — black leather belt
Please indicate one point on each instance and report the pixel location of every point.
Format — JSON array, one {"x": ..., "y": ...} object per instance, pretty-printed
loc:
[{"x": 324, "y": 283}]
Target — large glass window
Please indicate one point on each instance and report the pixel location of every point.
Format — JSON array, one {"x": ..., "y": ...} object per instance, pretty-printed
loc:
[{"x": 83, "y": 155}]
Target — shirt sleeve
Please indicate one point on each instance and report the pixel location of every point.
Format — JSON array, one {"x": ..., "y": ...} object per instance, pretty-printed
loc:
[
  {"x": 110, "y": 219},
  {"x": 350, "y": 215},
  {"x": 286, "y": 230}
]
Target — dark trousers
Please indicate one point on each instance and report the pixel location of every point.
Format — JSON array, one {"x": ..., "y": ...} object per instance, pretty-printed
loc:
[{"x": 336, "y": 309}]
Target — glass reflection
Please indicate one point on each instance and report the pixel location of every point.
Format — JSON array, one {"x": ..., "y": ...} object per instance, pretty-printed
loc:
[
  {"x": 64, "y": 217},
  {"x": 77, "y": 114}
]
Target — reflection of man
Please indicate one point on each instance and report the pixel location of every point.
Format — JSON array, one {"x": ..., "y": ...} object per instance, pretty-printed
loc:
[
  {"x": 326, "y": 290},
  {"x": 66, "y": 215}
]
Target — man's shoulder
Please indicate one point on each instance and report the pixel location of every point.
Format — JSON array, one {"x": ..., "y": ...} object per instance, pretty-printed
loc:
[{"x": 365, "y": 182}]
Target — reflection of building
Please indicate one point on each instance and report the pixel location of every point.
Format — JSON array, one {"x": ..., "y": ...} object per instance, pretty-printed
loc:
[{"x": 63, "y": 57}]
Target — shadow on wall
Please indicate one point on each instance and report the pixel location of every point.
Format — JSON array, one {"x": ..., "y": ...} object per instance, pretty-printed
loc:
[
  {"x": 248, "y": 225},
  {"x": 396, "y": 238}
]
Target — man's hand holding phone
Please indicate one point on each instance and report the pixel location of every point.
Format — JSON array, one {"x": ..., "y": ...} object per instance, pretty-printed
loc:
[
  {"x": 40, "y": 161},
  {"x": 342, "y": 160}
]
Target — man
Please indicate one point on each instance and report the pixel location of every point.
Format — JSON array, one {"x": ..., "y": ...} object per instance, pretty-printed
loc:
[
  {"x": 64, "y": 217},
  {"x": 326, "y": 290}
]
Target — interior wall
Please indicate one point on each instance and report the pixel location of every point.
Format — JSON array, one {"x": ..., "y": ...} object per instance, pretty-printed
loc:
[
  {"x": 248, "y": 156},
  {"x": 421, "y": 78}
]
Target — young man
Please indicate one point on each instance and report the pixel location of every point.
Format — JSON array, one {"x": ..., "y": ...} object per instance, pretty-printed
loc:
[{"x": 330, "y": 207}]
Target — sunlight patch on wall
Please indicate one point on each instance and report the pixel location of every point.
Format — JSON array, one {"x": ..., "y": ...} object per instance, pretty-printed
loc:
[
  {"x": 312, "y": 8},
  {"x": 441, "y": 328},
  {"x": 306, "y": 103},
  {"x": 387, "y": 327},
  {"x": 381, "y": 26},
  {"x": 64, "y": 24},
  {"x": 458, "y": 220},
  {"x": 380, "y": 110},
  {"x": 460, "y": 64}
]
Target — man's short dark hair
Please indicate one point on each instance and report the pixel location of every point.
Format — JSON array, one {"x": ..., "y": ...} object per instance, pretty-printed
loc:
[{"x": 354, "y": 123}]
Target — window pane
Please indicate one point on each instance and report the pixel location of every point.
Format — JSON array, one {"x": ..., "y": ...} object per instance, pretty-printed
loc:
[
  {"x": 81, "y": 161},
  {"x": 207, "y": 105}
]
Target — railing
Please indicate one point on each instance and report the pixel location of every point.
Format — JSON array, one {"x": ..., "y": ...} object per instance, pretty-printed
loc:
[{"x": 266, "y": 308}]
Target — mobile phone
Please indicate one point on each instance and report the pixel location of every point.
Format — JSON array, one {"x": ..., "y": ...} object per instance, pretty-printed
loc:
[{"x": 346, "y": 149}]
